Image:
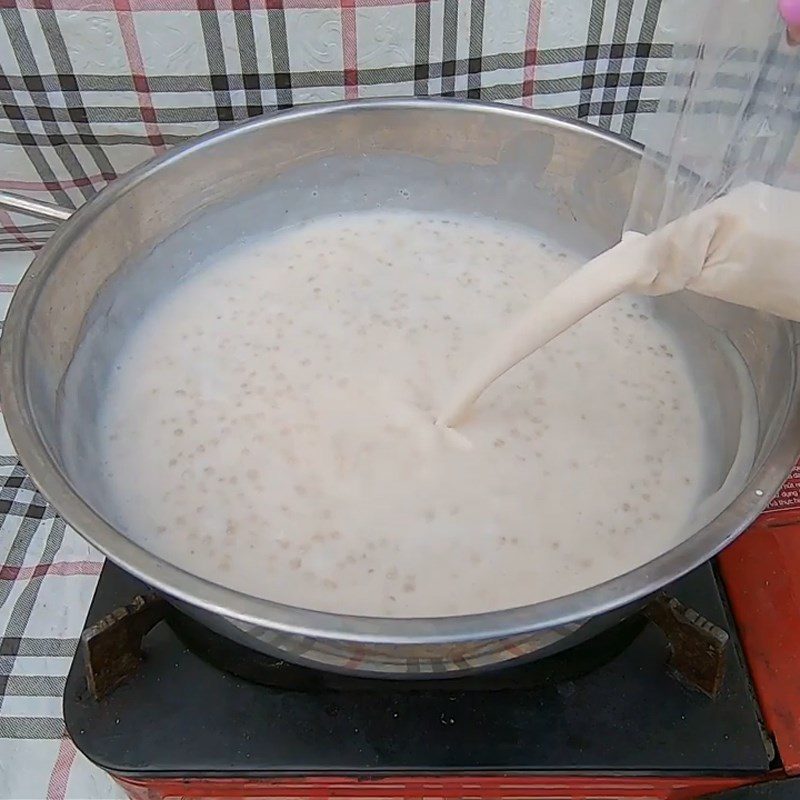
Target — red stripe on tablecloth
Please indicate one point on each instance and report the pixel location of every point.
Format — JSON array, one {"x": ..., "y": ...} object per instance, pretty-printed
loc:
[
  {"x": 10, "y": 572},
  {"x": 131, "y": 43},
  {"x": 59, "y": 777},
  {"x": 7, "y": 224},
  {"x": 50, "y": 186},
  {"x": 349, "y": 49},
  {"x": 190, "y": 5},
  {"x": 7, "y": 288},
  {"x": 531, "y": 52}
]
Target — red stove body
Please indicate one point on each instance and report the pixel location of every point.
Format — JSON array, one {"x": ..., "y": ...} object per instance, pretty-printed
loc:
[
  {"x": 588, "y": 787},
  {"x": 761, "y": 577}
]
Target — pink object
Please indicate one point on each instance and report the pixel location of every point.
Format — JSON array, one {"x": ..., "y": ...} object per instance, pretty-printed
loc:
[{"x": 790, "y": 11}]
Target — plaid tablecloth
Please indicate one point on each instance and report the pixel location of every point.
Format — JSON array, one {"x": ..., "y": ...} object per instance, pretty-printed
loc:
[{"x": 89, "y": 88}]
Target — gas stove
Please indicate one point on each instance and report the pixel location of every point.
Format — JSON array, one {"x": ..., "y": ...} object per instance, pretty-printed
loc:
[{"x": 617, "y": 717}]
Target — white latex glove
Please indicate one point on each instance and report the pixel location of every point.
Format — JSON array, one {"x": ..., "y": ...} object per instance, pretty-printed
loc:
[{"x": 743, "y": 248}]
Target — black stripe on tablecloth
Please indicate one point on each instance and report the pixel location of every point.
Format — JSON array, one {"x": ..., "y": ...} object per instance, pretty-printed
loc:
[
  {"x": 31, "y": 728},
  {"x": 475, "y": 65},
  {"x": 11, "y": 20},
  {"x": 611, "y": 80},
  {"x": 215, "y": 55},
  {"x": 33, "y": 685},
  {"x": 591, "y": 53},
  {"x": 282, "y": 76},
  {"x": 36, "y": 231},
  {"x": 25, "y": 510},
  {"x": 10, "y": 244},
  {"x": 449, "y": 48},
  {"x": 204, "y": 113},
  {"x": 38, "y": 647},
  {"x": 248, "y": 55},
  {"x": 109, "y": 140},
  {"x": 22, "y": 608},
  {"x": 315, "y": 79},
  {"x": 68, "y": 84},
  {"x": 422, "y": 50},
  {"x": 644, "y": 51}
]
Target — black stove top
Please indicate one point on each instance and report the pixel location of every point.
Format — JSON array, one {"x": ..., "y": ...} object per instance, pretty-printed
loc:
[{"x": 617, "y": 710}]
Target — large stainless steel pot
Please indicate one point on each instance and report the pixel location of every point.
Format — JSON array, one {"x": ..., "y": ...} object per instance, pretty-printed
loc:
[{"x": 136, "y": 238}]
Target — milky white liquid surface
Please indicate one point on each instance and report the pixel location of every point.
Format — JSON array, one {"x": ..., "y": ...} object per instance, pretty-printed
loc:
[{"x": 270, "y": 424}]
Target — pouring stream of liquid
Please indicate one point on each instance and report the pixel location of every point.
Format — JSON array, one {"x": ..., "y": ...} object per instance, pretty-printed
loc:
[
  {"x": 741, "y": 248},
  {"x": 597, "y": 282}
]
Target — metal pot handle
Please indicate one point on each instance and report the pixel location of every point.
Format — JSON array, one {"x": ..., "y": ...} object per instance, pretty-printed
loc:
[{"x": 34, "y": 208}]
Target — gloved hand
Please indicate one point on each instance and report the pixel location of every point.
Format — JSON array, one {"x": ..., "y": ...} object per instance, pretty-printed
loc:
[{"x": 743, "y": 248}]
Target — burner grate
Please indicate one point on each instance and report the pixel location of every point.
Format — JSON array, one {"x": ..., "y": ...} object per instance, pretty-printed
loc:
[{"x": 262, "y": 669}]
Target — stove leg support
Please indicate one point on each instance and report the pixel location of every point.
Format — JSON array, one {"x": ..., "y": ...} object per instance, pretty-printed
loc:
[
  {"x": 697, "y": 646},
  {"x": 112, "y": 648}
]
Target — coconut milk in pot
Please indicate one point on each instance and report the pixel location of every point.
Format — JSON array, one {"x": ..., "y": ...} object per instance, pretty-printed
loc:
[{"x": 270, "y": 424}]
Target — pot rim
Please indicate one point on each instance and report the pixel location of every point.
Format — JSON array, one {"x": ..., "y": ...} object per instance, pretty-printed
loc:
[{"x": 176, "y": 582}]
